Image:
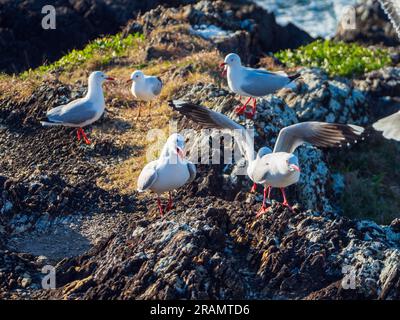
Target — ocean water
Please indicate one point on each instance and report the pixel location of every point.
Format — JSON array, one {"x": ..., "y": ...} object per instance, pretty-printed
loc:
[{"x": 317, "y": 17}]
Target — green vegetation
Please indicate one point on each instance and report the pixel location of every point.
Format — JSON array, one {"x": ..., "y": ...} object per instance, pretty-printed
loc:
[
  {"x": 336, "y": 58},
  {"x": 371, "y": 175},
  {"x": 103, "y": 50}
]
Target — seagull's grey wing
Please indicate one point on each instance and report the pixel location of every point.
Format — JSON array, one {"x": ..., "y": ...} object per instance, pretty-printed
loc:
[
  {"x": 320, "y": 134},
  {"x": 156, "y": 85},
  {"x": 392, "y": 9},
  {"x": 147, "y": 176},
  {"x": 76, "y": 112},
  {"x": 390, "y": 126},
  {"x": 208, "y": 118},
  {"x": 192, "y": 171},
  {"x": 259, "y": 84}
]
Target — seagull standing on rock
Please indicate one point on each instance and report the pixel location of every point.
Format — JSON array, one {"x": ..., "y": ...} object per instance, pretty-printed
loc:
[
  {"x": 278, "y": 168},
  {"x": 81, "y": 112},
  {"x": 169, "y": 172},
  {"x": 253, "y": 83},
  {"x": 145, "y": 88}
]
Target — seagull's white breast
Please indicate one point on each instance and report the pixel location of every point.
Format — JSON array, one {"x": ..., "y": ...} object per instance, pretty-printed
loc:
[
  {"x": 273, "y": 170},
  {"x": 170, "y": 176}
]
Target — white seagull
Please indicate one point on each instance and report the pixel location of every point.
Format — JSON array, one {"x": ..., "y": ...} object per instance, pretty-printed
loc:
[
  {"x": 253, "y": 83},
  {"x": 278, "y": 168},
  {"x": 390, "y": 126},
  {"x": 81, "y": 112},
  {"x": 169, "y": 172},
  {"x": 145, "y": 88}
]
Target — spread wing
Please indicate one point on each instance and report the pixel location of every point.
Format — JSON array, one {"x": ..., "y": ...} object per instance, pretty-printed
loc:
[
  {"x": 320, "y": 134},
  {"x": 208, "y": 118},
  {"x": 390, "y": 126}
]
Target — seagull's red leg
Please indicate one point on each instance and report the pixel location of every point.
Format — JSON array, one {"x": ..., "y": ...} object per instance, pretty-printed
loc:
[
  {"x": 242, "y": 109},
  {"x": 251, "y": 114},
  {"x": 170, "y": 203},
  {"x": 285, "y": 202},
  {"x": 254, "y": 187},
  {"x": 87, "y": 141},
  {"x": 78, "y": 134},
  {"x": 160, "y": 206},
  {"x": 264, "y": 208}
]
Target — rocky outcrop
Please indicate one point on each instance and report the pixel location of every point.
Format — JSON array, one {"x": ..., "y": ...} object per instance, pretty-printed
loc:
[
  {"x": 232, "y": 26},
  {"x": 25, "y": 44},
  {"x": 372, "y": 26},
  {"x": 209, "y": 248}
]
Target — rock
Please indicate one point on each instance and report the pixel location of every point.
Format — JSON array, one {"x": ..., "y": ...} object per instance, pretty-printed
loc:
[
  {"x": 77, "y": 22},
  {"x": 242, "y": 25},
  {"x": 372, "y": 26},
  {"x": 382, "y": 88},
  {"x": 26, "y": 281}
]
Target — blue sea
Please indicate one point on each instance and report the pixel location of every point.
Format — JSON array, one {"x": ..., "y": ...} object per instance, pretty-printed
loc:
[{"x": 317, "y": 17}]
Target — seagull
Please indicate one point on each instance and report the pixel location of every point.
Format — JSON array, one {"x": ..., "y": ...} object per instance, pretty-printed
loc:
[
  {"x": 253, "y": 83},
  {"x": 170, "y": 171},
  {"x": 81, "y": 112},
  {"x": 390, "y": 126},
  {"x": 277, "y": 168},
  {"x": 145, "y": 88}
]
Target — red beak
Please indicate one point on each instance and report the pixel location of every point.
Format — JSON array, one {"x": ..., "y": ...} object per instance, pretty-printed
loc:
[
  {"x": 110, "y": 79},
  {"x": 129, "y": 81},
  {"x": 180, "y": 153},
  {"x": 293, "y": 166}
]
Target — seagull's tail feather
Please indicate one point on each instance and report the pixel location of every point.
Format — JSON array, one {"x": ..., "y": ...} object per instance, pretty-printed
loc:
[
  {"x": 292, "y": 78},
  {"x": 46, "y": 122}
]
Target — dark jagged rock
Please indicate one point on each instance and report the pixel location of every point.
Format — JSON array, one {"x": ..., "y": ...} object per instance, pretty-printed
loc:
[
  {"x": 25, "y": 44},
  {"x": 250, "y": 30},
  {"x": 211, "y": 249}
]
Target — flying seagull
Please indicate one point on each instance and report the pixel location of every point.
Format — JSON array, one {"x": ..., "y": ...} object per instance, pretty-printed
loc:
[
  {"x": 81, "y": 112},
  {"x": 169, "y": 172},
  {"x": 278, "y": 168},
  {"x": 253, "y": 83},
  {"x": 390, "y": 126},
  {"x": 145, "y": 88}
]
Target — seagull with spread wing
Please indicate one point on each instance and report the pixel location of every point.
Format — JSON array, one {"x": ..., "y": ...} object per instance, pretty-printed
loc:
[
  {"x": 253, "y": 83},
  {"x": 278, "y": 168}
]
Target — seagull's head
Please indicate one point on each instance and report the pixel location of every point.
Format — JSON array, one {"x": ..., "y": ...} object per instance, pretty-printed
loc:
[
  {"x": 232, "y": 60},
  {"x": 136, "y": 76},
  {"x": 99, "y": 77},
  {"x": 176, "y": 144}
]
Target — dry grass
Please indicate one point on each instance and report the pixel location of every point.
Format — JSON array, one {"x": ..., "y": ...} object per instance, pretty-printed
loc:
[{"x": 185, "y": 60}]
